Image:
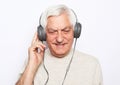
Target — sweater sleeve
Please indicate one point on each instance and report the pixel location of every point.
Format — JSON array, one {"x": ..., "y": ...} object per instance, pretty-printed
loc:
[{"x": 98, "y": 79}]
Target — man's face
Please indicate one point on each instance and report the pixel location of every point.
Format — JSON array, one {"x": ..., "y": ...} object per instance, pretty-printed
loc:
[{"x": 59, "y": 33}]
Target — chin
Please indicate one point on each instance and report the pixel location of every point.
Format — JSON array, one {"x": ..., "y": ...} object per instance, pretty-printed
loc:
[{"x": 60, "y": 53}]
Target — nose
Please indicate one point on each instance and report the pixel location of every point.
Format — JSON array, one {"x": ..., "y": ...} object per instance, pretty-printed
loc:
[{"x": 59, "y": 37}]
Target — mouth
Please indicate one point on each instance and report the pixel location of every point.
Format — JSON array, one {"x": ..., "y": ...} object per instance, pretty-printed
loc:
[{"x": 60, "y": 45}]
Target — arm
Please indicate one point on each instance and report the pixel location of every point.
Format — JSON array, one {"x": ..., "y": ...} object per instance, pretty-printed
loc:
[
  {"x": 98, "y": 79},
  {"x": 27, "y": 77},
  {"x": 35, "y": 59}
]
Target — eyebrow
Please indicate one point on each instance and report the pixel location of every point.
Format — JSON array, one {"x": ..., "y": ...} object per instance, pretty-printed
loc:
[{"x": 67, "y": 27}]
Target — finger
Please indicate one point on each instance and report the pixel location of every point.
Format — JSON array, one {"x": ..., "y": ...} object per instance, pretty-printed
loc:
[
  {"x": 41, "y": 46},
  {"x": 35, "y": 38},
  {"x": 38, "y": 45}
]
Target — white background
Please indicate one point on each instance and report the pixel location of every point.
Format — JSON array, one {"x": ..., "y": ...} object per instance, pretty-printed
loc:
[{"x": 100, "y": 34}]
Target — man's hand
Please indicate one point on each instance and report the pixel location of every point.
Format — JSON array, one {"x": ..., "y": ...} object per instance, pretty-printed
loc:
[{"x": 36, "y": 54}]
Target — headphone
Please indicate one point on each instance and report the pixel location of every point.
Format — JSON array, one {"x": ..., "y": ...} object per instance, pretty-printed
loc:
[{"x": 42, "y": 34}]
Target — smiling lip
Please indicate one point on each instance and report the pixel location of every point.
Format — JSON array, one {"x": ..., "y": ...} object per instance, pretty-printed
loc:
[{"x": 60, "y": 45}]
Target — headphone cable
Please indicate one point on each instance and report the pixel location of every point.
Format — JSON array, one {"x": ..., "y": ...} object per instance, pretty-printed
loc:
[
  {"x": 45, "y": 70},
  {"x": 68, "y": 67}
]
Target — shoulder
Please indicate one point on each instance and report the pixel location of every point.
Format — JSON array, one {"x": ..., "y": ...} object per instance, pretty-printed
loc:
[{"x": 85, "y": 58}]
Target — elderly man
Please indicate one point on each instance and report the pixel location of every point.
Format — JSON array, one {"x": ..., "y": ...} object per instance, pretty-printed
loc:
[{"x": 59, "y": 64}]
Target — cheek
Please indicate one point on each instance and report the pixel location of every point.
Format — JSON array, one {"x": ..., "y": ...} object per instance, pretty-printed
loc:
[
  {"x": 70, "y": 41},
  {"x": 49, "y": 37},
  {"x": 70, "y": 37},
  {"x": 50, "y": 40}
]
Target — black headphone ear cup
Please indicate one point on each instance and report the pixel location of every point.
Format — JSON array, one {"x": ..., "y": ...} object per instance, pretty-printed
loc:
[
  {"x": 77, "y": 30},
  {"x": 41, "y": 33}
]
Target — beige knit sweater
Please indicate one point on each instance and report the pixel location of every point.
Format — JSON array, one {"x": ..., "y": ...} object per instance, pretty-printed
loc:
[{"x": 84, "y": 70}]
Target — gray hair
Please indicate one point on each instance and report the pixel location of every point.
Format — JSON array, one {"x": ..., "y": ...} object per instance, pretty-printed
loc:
[{"x": 56, "y": 11}]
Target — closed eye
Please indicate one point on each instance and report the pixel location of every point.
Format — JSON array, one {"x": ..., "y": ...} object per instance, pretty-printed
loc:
[
  {"x": 66, "y": 30},
  {"x": 52, "y": 31}
]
